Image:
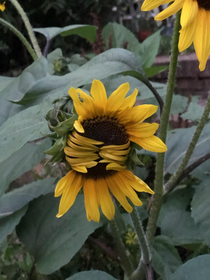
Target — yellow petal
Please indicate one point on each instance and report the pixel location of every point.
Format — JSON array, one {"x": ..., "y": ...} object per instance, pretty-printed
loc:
[
  {"x": 172, "y": 9},
  {"x": 91, "y": 200},
  {"x": 142, "y": 129},
  {"x": 69, "y": 195},
  {"x": 152, "y": 4},
  {"x": 77, "y": 103},
  {"x": 129, "y": 101},
  {"x": 141, "y": 186},
  {"x": 187, "y": 35},
  {"x": 98, "y": 93},
  {"x": 78, "y": 127},
  {"x": 115, "y": 166},
  {"x": 152, "y": 143},
  {"x": 137, "y": 114},
  {"x": 189, "y": 12},
  {"x": 2, "y": 6},
  {"x": 105, "y": 200},
  {"x": 81, "y": 169},
  {"x": 120, "y": 196},
  {"x": 116, "y": 99},
  {"x": 64, "y": 183}
]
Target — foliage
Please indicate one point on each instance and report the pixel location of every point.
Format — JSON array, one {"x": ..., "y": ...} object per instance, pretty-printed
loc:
[{"x": 34, "y": 244}]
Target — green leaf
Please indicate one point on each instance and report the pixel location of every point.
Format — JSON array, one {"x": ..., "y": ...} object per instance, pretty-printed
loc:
[
  {"x": 8, "y": 224},
  {"x": 165, "y": 258},
  {"x": 197, "y": 268},
  {"x": 85, "y": 31},
  {"x": 15, "y": 200},
  {"x": 21, "y": 161},
  {"x": 177, "y": 143},
  {"x": 51, "y": 57},
  {"x": 194, "y": 111},
  {"x": 5, "y": 81},
  {"x": 179, "y": 104},
  {"x": 154, "y": 70},
  {"x": 21, "y": 128},
  {"x": 52, "y": 241},
  {"x": 180, "y": 227},
  {"x": 91, "y": 275},
  {"x": 201, "y": 209}
]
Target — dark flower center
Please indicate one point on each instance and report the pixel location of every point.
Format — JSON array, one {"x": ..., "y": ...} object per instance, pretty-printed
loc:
[
  {"x": 109, "y": 131},
  {"x": 204, "y": 4},
  {"x": 105, "y": 129}
]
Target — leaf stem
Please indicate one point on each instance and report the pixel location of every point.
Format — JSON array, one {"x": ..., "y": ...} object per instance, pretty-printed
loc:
[
  {"x": 28, "y": 27},
  {"x": 170, "y": 184},
  {"x": 158, "y": 184},
  {"x": 20, "y": 36}
]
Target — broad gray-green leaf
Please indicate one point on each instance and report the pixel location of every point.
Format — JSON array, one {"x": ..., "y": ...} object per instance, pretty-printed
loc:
[
  {"x": 201, "y": 209},
  {"x": 8, "y": 224},
  {"x": 21, "y": 161},
  {"x": 177, "y": 200},
  {"x": 17, "y": 87},
  {"x": 194, "y": 111},
  {"x": 85, "y": 31},
  {"x": 165, "y": 258},
  {"x": 177, "y": 143},
  {"x": 194, "y": 269},
  {"x": 145, "y": 52},
  {"x": 180, "y": 227},
  {"x": 52, "y": 241},
  {"x": 179, "y": 104},
  {"x": 15, "y": 200},
  {"x": 5, "y": 81},
  {"x": 111, "y": 62},
  {"x": 21, "y": 128},
  {"x": 91, "y": 275}
]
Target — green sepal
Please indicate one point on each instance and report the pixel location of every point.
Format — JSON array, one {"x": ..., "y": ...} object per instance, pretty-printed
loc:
[
  {"x": 133, "y": 159},
  {"x": 64, "y": 127},
  {"x": 57, "y": 150}
]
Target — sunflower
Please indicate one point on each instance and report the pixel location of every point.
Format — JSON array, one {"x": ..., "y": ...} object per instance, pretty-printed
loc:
[
  {"x": 2, "y": 6},
  {"x": 99, "y": 146},
  {"x": 195, "y": 23}
]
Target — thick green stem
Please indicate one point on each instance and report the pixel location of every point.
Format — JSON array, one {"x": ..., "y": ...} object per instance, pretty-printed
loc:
[
  {"x": 191, "y": 147},
  {"x": 124, "y": 258},
  {"x": 20, "y": 36},
  {"x": 158, "y": 184},
  {"x": 145, "y": 250},
  {"x": 28, "y": 27}
]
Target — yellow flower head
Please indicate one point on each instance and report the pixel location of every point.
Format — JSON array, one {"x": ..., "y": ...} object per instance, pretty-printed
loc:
[
  {"x": 2, "y": 6},
  {"x": 98, "y": 148},
  {"x": 195, "y": 22}
]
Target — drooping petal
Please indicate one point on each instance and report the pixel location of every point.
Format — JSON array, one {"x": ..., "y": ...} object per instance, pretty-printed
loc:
[
  {"x": 119, "y": 195},
  {"x": 64, "y": 183},
  {"x": 187, "y": 35},
  {"x": 189, "y": 12},
  {"x": 69, "y": 195},
  {"x": 91, "y": 200},
  {"x": 105, "y": 200},
  {"x": 152, "y": 143},
  {"x": 172, "y": 9}
]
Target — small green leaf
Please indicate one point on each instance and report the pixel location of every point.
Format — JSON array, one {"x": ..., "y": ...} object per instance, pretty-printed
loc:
[
  {"x": 52, "y": 241},
  {"x": 154, "y": 70},
  {"x": 85, "y": 31},
  {"x": 91, "y": 275},
  {"x": 197, "y": 268}
]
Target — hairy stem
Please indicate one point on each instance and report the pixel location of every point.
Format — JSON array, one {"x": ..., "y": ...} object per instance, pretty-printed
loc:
[
  {"x": 28, "y": 27},
  {"x": 20, "y": 36},
  {"x": 158, "y": 184}
]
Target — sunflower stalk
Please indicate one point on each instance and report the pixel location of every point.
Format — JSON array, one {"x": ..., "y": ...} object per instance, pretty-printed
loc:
[
  {"x": 170, "y": 184},
  {"x": 140, "y": 272},
  {"x": 158, "y": 184},
  {"x": 124, "y": 258},
  {"x": 28, "y": 27},
  {"x": 20, "y": 36}
]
